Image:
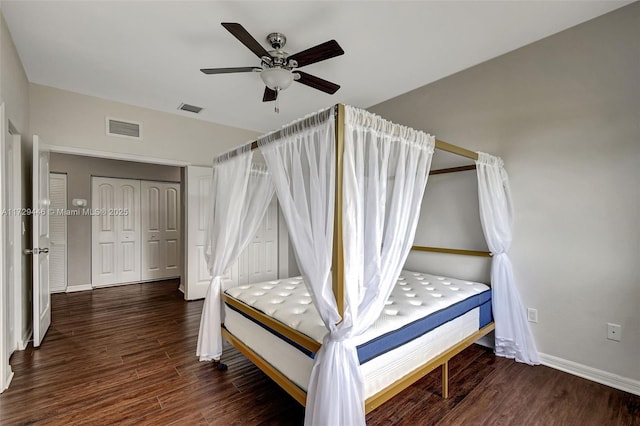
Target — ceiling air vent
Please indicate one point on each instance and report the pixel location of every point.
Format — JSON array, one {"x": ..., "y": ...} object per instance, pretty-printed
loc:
[
  {"x": 190, "y": 108},
  {"x": 122, "y": 128}
]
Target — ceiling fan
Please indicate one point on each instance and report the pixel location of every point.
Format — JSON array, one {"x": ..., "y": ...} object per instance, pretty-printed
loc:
[{"x": 278, "y": 69}]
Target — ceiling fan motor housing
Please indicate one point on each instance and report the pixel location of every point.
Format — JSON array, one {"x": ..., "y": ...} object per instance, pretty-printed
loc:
[{"x": 277, "y": 40}]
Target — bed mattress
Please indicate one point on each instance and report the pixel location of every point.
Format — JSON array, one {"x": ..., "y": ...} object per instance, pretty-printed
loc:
[{"x": 419, "y": 303}]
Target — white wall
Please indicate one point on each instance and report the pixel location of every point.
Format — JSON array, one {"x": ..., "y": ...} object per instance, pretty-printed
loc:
[
  {"x": 70, "y": 119},
  {"x": 564, "y": 114}
]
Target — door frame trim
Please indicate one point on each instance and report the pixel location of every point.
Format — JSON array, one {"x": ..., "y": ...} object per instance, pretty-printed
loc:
[
  {"x": 6, "y": 373},
  {"x": 115, "y": 155}
]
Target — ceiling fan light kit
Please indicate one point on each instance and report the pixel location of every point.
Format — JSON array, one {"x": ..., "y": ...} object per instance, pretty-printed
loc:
[
  {"x": 278, "y": 69},
  {"x": 277, "y": 78}
]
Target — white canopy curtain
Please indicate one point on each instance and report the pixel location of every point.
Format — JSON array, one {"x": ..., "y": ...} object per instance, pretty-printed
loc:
[
  {"x": 385, "y": 172},
  {"x": 240, "y": 194},
  {"x": 301, "y": 161},
  {"x": 513, "y": 338}
]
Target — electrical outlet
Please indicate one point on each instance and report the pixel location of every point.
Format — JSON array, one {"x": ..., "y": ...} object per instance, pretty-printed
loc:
[
  {"x": 614, "y": 332},
  {"x": 532, "y": 315}
]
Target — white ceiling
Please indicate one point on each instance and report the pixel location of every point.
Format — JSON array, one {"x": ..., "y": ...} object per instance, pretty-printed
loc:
[{"x": 148, "y": 53}]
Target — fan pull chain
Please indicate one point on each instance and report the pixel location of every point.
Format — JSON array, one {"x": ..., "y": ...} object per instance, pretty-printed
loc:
[{"x": 277, "y": 107}]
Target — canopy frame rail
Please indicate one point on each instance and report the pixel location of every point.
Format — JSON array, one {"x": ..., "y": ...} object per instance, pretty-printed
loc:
[
  {"x": 339, "y": 115},
  {"x": 453, "y": 170},
  {"x": 465, "y": 252}
]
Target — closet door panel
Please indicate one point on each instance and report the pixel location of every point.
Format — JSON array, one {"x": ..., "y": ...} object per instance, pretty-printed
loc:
[
  {"x": 171, "y": 231},
  {"x": 104, "y": 238},
  {"x": 161, "y": 233},
  {"x": 263, "y": 250},
  {"x": 127, "y": 216},
  {"x": 58, "y": 234},
  {"x": 115, "y": 231},
  {"x": 151, "y": 239}
]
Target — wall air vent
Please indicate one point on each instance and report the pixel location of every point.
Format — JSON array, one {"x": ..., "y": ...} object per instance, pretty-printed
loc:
[
  {"x": 190, "y": 108},
  {"x": 123, "y": 129}
]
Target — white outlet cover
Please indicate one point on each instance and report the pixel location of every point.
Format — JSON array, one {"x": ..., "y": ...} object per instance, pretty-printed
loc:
[{"x": 614, "y": 332}]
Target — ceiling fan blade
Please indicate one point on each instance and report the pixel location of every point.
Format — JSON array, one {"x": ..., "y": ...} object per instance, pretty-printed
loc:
[
  {"x": 317, "y": 53},
  {"x": 317, "y": 83},
  {"x": 228, "y": 70},
  {"x": 245, "y": 38},
  {"x": 269, "y": 95}
]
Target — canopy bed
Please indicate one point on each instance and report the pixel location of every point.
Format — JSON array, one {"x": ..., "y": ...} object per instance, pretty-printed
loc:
[{"x": 354, "y": 329}]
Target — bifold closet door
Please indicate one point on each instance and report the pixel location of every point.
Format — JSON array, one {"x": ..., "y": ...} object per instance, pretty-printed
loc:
[
  {"x": 259, "y": 261},
  {"x": 57, "y": 232},
  {"x": 161, "y": 233},
  {"x": 115, "y": 211}
]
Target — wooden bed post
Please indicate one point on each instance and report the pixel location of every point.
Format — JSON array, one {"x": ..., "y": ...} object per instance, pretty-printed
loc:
[
  {"x": 445, "y": 380},
  {"x": 337, "y": 267}
]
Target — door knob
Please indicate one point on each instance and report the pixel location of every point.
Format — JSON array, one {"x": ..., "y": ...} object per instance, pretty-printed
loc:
[{"x": 36, "y": 250}]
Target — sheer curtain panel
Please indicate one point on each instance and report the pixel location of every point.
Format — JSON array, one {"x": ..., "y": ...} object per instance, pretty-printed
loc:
[
  {"x": 513, "y": 338},
  {"x": 240, "y": 194},
  {"x": 386, "y": 167},
  {"x": 385, "y": 173},
  {"x": 301, "y": 160}
]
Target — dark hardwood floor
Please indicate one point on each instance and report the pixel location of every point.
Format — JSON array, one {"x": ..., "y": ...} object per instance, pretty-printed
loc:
[{"x": 126, "y": 355}]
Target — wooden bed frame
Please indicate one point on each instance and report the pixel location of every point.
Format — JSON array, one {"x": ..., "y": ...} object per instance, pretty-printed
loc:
[{"x": 337, "y": 271}]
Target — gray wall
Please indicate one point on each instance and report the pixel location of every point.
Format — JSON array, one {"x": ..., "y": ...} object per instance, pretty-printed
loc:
[
  {"x": 79, "y": 170},
  {"x": 564, "y": 114}
]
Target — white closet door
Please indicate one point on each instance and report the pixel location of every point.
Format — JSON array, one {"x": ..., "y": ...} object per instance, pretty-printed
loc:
[
  {"x": 263, "y": 250},
  {"x": 259, "y": 261},
  {"x": 58, "y": 232},
  {"x": 197, "y": 278},
  {"x": 115, "y": 208},
  {"x": 127, "y": 218},
  {"x": 161, "y": 235}
]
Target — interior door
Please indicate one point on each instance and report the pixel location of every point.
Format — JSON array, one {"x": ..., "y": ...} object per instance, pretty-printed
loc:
[
  {"x": 40, "y": 251},
  {"x": 4, "y": 302},
  {"x": 196, "y": 276},
  {"x": 13, "y": 237}
]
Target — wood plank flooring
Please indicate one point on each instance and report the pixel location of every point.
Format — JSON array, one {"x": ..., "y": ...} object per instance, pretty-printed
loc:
[{"x": 126, "y": 355}]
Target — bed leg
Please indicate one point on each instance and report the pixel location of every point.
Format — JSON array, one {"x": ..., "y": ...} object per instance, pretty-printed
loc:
[
  {"x": 445, "y": 380},
  {"x": 219, "y": 365}
]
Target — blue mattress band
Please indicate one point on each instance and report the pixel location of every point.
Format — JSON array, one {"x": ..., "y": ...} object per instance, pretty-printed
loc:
[{"x": 393, "y": 339}]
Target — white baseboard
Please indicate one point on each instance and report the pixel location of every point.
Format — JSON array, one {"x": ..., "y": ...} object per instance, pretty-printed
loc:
[
  {"x": 599, "y": 376},
  {"x": 6, "y": 381},
  {"x": 82, "y": 287},
  {"x": 26, "y": 337}
]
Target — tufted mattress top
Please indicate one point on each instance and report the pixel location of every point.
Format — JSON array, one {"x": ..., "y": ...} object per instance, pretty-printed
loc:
[{"x": 418, "y": 303}]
